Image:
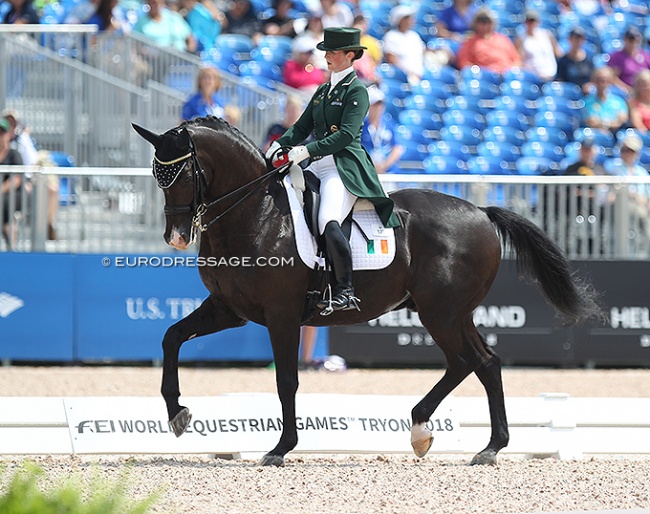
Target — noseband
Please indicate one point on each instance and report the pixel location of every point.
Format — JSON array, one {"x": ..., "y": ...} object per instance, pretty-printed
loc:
[{"x": 166, "y": 174}]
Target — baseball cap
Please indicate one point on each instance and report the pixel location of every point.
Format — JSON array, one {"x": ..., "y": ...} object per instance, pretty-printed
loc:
[
  {"x": 633, "y": 142},
  {"x": 4, "y": 125},
  {"x": 532, "y": 15},
  {"x": 578, "y": 32}
]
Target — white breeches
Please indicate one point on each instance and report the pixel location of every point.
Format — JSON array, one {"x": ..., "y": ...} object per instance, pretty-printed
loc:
[{"x": 336, "y": 201}]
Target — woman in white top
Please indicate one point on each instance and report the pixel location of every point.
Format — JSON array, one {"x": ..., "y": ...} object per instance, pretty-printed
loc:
[{"x": 538, "y": 48}]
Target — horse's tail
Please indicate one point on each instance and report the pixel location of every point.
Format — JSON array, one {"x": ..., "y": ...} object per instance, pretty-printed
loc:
[{"x": 541, "y": 258}]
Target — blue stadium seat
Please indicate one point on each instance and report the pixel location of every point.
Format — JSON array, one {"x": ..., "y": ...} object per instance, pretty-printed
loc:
[
  {"x": 507, "y": 118},
  {"x": 541, "y": 149},
  {"x": 475, "y": 103},
  {"x": 477, "y": 73},
  {"x": 442, "y": 75},
  {"x": 414, "y": 151},
  {"x": 234, "y": 42},
  {"x": 500, "y": 134},
  {"x": 483, "y": 89},
  {"x": 388, "y": 71},
  {"x": 279, "y": 43},
  {"x": 465, "y": 135},
  {"x": 571, "y": 151},
  {"x": 566, "y": 90},
  {"x": 464, "y": 117},
  {"x": 441, "y": 165},
  {"x": 425, "y": 102},
  {"x": 505, "y": 151},
  {"x": 488, "y": 165},
  {"x": 557, "y": 120},
  {"x": 547, "y": 135},
  {"x": 534, "y": 165},
  {"x": 450, "y": 149},
  {"x": 395, "y": 88},
  {"x": 559, "y": 104},
  {"x": 406, "y": 133},
  {"x": 516, "y": 103},
  {"x": 521, "y": 75},
  {"x": 267, "y": 54},
  {"x": 600, "y": 137},
  {"x": 645, "y": 137},
  {"x": 525, "y": 89},
  {"x": 425, "y": 119},
  {"x": 434, "y": 88},
  {"x": 266, "y": 69}
]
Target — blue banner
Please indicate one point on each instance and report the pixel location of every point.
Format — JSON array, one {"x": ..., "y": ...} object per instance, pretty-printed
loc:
[
  {"x": 36, "y": 307},
  {"x": 126, "y": 303}
]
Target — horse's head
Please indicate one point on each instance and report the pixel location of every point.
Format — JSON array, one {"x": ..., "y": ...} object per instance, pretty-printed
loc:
[{"x": 176, "y": 172}]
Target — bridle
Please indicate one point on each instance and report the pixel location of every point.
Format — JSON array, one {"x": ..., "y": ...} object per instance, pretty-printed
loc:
[{"x": 166, "y": 174}]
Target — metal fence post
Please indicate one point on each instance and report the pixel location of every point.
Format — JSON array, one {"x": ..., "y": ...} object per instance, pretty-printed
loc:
[
  {"x": 621, "y": 221},
  {"x": 39, "y": 221}
]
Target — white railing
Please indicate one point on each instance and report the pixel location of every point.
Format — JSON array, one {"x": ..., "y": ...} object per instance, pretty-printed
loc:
[{"x": 120, "y": 209}]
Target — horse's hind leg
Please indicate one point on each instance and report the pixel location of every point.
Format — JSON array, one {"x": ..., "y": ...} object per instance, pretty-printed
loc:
[
  {"x": 462, "y": 359},
  {"x": 490, "y": 376},
  {"x": 210, "y": 317}
]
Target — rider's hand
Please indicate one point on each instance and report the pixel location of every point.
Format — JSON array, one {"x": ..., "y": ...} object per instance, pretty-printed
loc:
[
  {"x": 298, "y": 154},
  {"x": 275, "y": 146}
]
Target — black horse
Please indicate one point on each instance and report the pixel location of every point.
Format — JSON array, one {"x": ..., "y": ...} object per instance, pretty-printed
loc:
[{"x": 448, "y": 252}]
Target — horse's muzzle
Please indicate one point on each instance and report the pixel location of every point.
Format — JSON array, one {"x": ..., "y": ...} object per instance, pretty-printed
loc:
[{"x": 179, "y": 239}]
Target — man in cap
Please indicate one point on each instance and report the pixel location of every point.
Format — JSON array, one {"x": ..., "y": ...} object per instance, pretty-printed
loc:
[
  {"x": 586, "y": 163},
  {"x": 335, "y": 115},
  {"x": 487, "y": 48},
  {"x": 629, "y": 60}
]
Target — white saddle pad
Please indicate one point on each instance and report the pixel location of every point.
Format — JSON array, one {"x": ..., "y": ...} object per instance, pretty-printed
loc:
[{"x": 378, "y": 253}]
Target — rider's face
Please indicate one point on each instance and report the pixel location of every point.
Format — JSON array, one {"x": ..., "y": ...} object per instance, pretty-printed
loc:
[{"x": 338, "y": 60}]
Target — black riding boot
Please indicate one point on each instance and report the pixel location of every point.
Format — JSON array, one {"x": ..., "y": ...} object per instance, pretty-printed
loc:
[{"x": 340, "y": 257}]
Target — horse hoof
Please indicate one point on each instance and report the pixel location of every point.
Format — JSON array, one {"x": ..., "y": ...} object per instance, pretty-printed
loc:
[
  {"x": 485, "y": 458},
  {"x": 272, "y": 460},
  {"x": 421, "y": 439},
  {"x": 181, "y": 421}
]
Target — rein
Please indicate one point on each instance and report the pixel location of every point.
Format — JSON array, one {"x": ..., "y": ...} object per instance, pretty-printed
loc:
[{"x": 199, "y": 207}]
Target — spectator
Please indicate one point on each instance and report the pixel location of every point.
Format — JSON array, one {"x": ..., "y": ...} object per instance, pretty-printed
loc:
[
  {"x": 603, "y": 109},
  {"x": 206, "y": 101},
  {"x": 371, "y": 58},
  {"x": 292, "y": 112},
  {"x": 21, "y": 12},
  {"x": 403, "y": 47},
  {"x": 379, "y": 134},
  {"x": 586, "y": 163},
  {"x": 232, "y": 114},
  {"x": 576, "y": 65},
  {"x": 538, "y": 48},
  {"x": 455, "y": 21},
  {"x": 628, "y": 166},
  {"x": 281, "y": 23},
  {"x": 205, "y": 20},
  {"x": 20, "y": 139},
  {"x": 630, "y": 60},
  {"x": 336, "y": 14},
  {"x": 639, "y": 103},
  {"x": 314, "y": 30},
  {"x": 165, "y": 28},
  {"x": 488, "y": 48},
  {"x": 299, "y": 71},
  {"x": 11, "y": 184},
  {"x": 103, "y": 17},
  {"x": 241, "y": 19}
]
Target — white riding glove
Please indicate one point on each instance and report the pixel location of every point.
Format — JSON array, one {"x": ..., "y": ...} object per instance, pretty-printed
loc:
[
  {"x": 275, "y": 146},
  {"x": 298, "y": 154}
]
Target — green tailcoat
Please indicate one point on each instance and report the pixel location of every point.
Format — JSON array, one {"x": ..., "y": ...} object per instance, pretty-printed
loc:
[{"x": 336, "y": 120}]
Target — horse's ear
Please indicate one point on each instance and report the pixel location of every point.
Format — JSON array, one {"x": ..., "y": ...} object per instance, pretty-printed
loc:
[
  {"x": 154, "y": 139},
  {"x": 183, "y": 140}
]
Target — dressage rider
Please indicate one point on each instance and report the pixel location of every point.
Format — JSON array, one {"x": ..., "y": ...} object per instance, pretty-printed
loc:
[{"x": 335, "y": 114}]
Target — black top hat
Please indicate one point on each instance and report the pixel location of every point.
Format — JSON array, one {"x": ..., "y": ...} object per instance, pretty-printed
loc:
[{"x": 341, "y": 38}]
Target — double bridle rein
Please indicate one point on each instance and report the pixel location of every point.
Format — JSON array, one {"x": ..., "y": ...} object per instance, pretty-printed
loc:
[{"x": 166, "y": 174}]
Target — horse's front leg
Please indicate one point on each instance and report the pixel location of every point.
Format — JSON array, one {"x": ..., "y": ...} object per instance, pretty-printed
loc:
[
  {"x": 285, "y": 339},
  {"x": 210, "y": 317}
]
